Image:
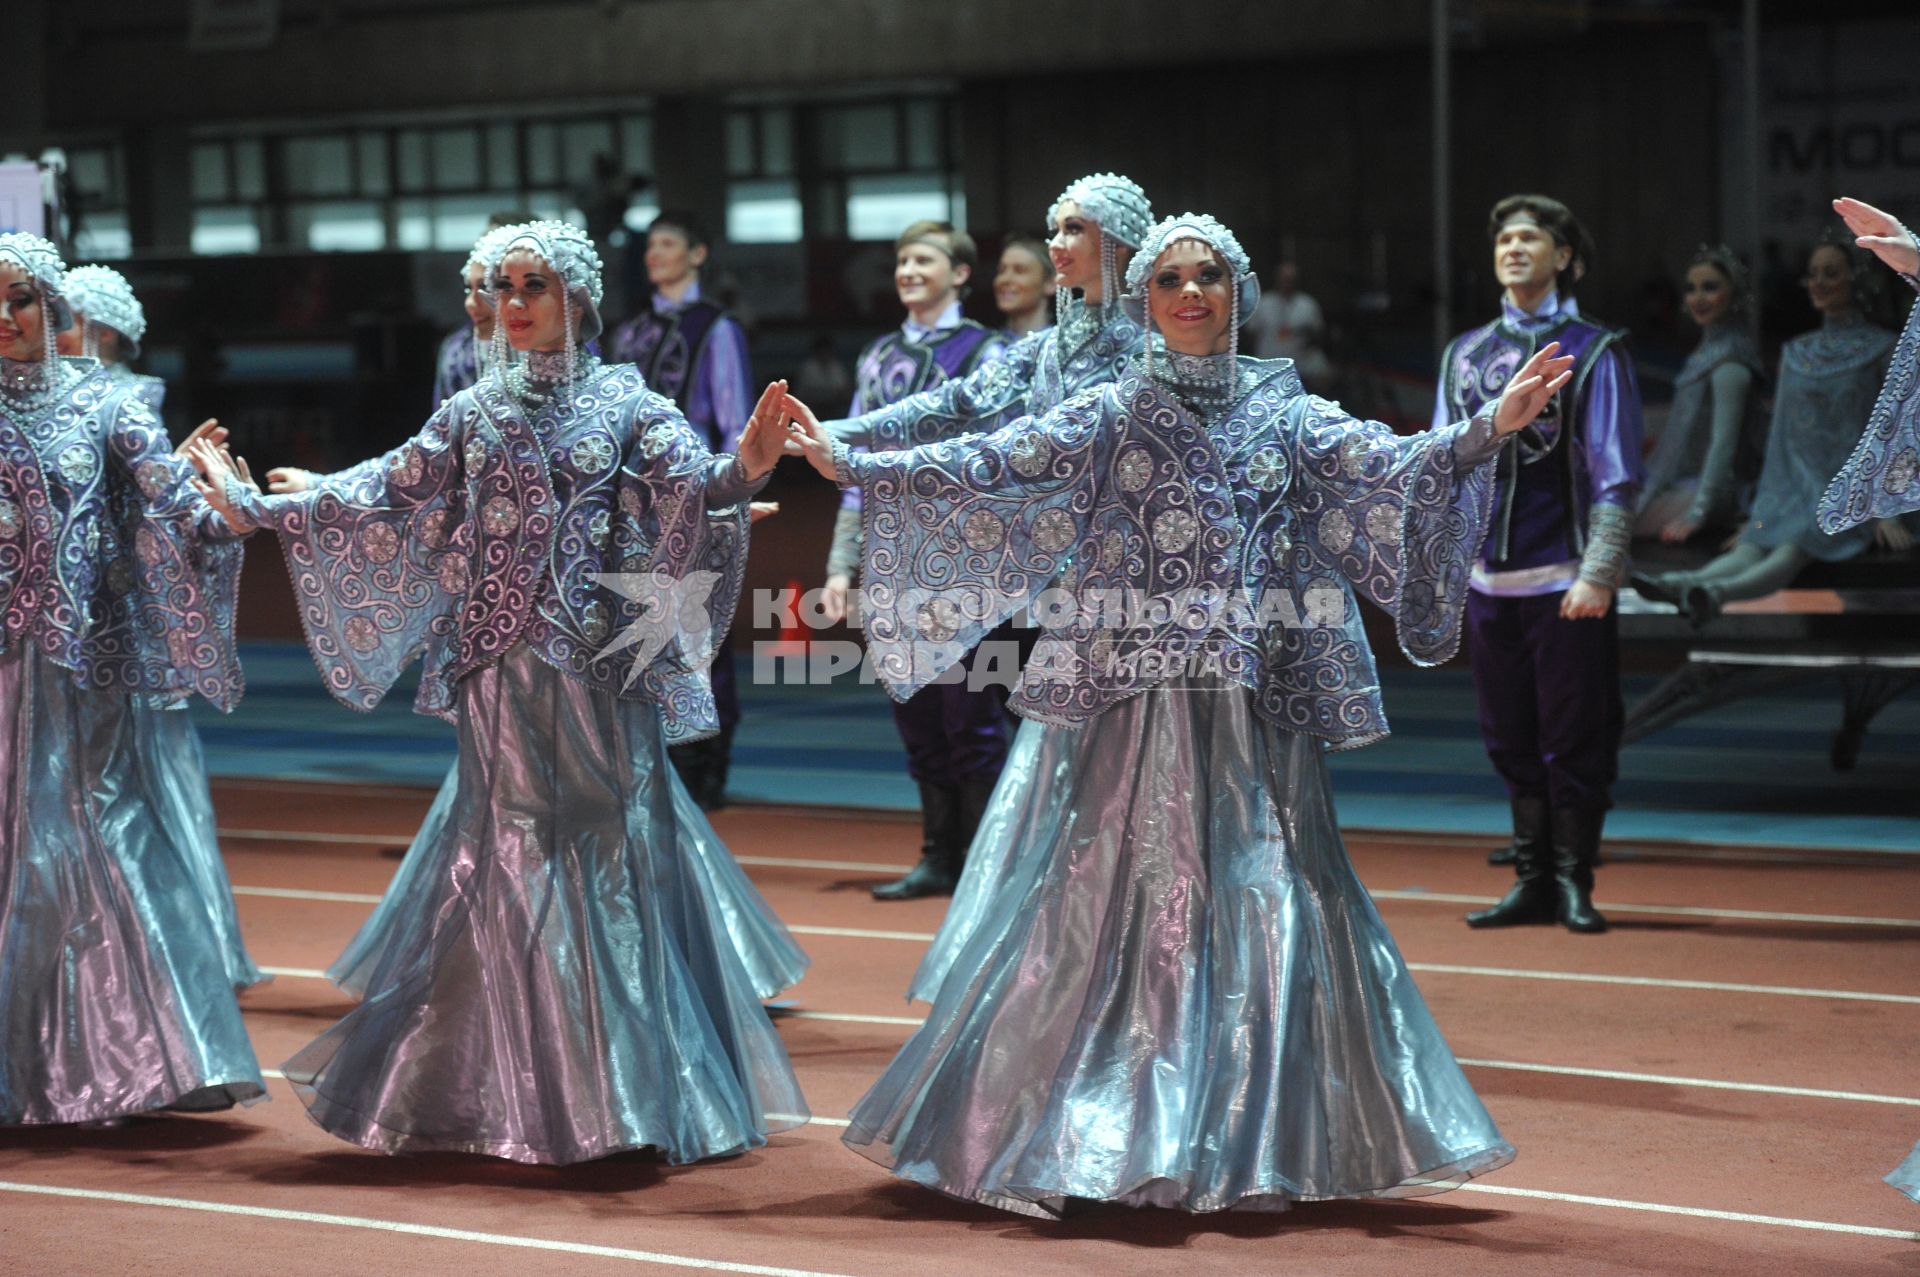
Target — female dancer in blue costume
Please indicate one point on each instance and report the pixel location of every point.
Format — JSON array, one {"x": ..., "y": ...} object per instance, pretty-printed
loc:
[
  {"x": 1095, "y": 224},
  {"x": 1879, "y": 481},
  {"x": 1188, "y": 1000},
  {"x": 117, "y": 593},
  {"x": 774, "y": 962},
  {"x": 109, "y": 324},
  {"x": 559, "y": 984}
]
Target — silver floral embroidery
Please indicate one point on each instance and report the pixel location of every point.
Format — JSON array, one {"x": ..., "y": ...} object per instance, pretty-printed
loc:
[
  {"x": 361, "y": 634},
  {"x": 433, "y": 529},
  {"x": 380, "y": 542},
  {"x": 1053, "y": 530},
  {"x": 1336, "y": 531},
  {"x": 594, "y": 623},
  {"x": 453, "y": 573},
  {"x": 984, "y": 530},
  {"x": 1354, "y": 454},
  {"x": 1134, "y": 470},
  {"x": 1174, "y": 530},
  {"x": 1100, "y": 652},
  {"x": 1901, "y": 471},
  {"x": 938, "y": 620},
  {"x": 152, "y": 476},
  {"x": 500, "y": 517},
  {"x": 1031, "y": 455},
  {"x": 1383, "y": 524},
  {"x": 1113, "y": 548},
  {"x": 593, "y": 453},
  {"x": 1281, "y": 545},
  {"x": 1265, "y": 470},
  {"x": 658, "y": 439},
  {"x": 78, "y": 463},
  {"x": 9, "y": 519},
  {"x": 476, "y": 455},
  {"x": 407, "y": 465},
  {"x": 599, "y": 527},
  {"x": 630, "y": 504}
]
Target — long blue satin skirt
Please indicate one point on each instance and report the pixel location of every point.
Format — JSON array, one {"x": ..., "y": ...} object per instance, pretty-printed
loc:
[
  {"x": 1183, "y": 998},
  {"x": 559, "y": 983},
  {"x": 1906, "y": 1176},
  {"x": 115, "y": 994}
]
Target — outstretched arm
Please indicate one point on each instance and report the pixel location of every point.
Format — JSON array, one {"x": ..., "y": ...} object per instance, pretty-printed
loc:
[{"x": 1881, "y": 234}]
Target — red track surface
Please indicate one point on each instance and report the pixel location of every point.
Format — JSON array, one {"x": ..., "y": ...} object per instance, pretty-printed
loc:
[{"x": 805, "y": 1203}]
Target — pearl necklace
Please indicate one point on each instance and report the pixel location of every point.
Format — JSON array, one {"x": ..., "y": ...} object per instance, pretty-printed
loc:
[
  {"x": 26, "y": 386},
  {"x": 533, "y": 380}
]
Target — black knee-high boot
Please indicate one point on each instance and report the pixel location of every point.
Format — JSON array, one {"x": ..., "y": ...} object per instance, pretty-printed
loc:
[
  {"x": 940, "y": 848},
  {"x": 1531, "y": 898},
  {"x": 1529, "y": 826},
  {"x": 1576, "y": 850}
]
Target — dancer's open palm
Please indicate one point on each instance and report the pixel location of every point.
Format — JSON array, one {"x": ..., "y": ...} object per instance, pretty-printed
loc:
[
  {"x": 806, "y": 431},
  {"x": 1529, "y": 389},
  {"x": 764, "y": 440},
  {"x": 1881, "y": 234}
]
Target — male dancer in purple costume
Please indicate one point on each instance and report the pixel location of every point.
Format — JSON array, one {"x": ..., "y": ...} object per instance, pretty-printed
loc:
[
  {"x": 689, "y": 349},
  {"x": 1542, "y": 628},
  {"x": 956, "y": 738}
]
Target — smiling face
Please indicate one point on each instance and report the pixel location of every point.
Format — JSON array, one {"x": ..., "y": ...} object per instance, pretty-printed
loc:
[
  {"x": 1021, "y": 284},
  {"x": 530, "y": 300},
  {"x": 1830, "y": 280},
  {"x": 1190, "y": 298},
  {"x": 479, "y": 310},
  {"x": 926, "y": 278},
  {"x": 1526, "y": 259},
  {"x": 1709, "y": 294},
  {"x": 1075, "y": 249},
  {"x": 672, "y": 258},
  {"x": 21, "y": 314}
]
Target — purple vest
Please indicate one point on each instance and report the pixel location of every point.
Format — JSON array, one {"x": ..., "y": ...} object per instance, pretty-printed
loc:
[
  {"x": 1540, "y": 491},
  {"x": 667, "y": 347},
  {"x": 891, "y": 368}
]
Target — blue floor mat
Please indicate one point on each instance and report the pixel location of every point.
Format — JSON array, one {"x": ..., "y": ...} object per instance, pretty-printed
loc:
[{"x": 1754, "y": 772}]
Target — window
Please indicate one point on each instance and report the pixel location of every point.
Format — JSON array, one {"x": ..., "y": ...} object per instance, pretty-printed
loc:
[
  {"x": 96, "y": 201},
  {"x": 763, "y": 212}
]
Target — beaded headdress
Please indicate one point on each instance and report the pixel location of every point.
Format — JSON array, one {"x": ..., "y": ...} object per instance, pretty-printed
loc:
[
  {"x": 569, "y": 253},
  {"x": 41, "y": 261},
  {"x": 1206, "y": 230},
  {"x": 104, "y": 299},
  {"x": 1739, "y": 280},
  {"x": 1120, "y": 208}
]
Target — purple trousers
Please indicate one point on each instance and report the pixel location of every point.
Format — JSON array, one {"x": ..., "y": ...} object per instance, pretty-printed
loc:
[
  {"x": 954, "y": 736},
  {"x": 1549, "y": 693}
]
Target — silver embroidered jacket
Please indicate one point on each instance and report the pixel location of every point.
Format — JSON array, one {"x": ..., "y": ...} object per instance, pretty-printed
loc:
[
  {"x": 1089, "y": 347},
  {"x": 1239, "y": 542},
  {"x": 111, "y": 563},
  {"x": 1879, "y": 480},
  {"x": 493, "y": 526}
]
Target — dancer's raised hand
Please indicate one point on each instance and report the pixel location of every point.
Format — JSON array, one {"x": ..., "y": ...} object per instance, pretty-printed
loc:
[
  {"x": 758, "y": 510},
  {"x": 1529, "y": 389},
  {"x": 763, "y": 442},
  {"x": 1881, "y": 234},
  {"x": 210, "y": 430},
  {"x": 216, "y": 467},
  {"x": 809, "y": 436},
  {"x": 289, "y": 479}
]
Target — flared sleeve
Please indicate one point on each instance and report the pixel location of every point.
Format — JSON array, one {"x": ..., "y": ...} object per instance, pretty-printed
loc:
[
  {"x": 171, "y": 583},
  {"x": 380, "y": 556},
  {"x": 1882, "y": 478},
  {"x": 981, "y": 402},
  {"x": 1400, "y": 517},
  {"x": 963, "y": 534}
]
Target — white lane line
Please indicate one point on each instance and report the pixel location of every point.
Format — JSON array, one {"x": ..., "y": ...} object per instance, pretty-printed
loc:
[
  {"x": 852, "y": 866},
  {"x": 412, "y": 1230},
  {"x": 1650, "y": 982},
  {"x": 301, "y": 893},
  {"x": 1663, "y": 1079},
  {"x": 1685, "y": 911},
  {"x": 1697, "y": 1212},
  {"x": 296, "y": 973},
  {"x": 848, "y": 1017},
  {"x": 299, "y": 835},
  {"x": 275, "y": 1075},
  {"x": 862, "y": 933}
]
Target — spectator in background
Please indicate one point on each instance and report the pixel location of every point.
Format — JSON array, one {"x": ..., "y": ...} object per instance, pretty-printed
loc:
[
  {"x": 1287, "y": 324},
  {"x": 1023, "y": 286}
]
